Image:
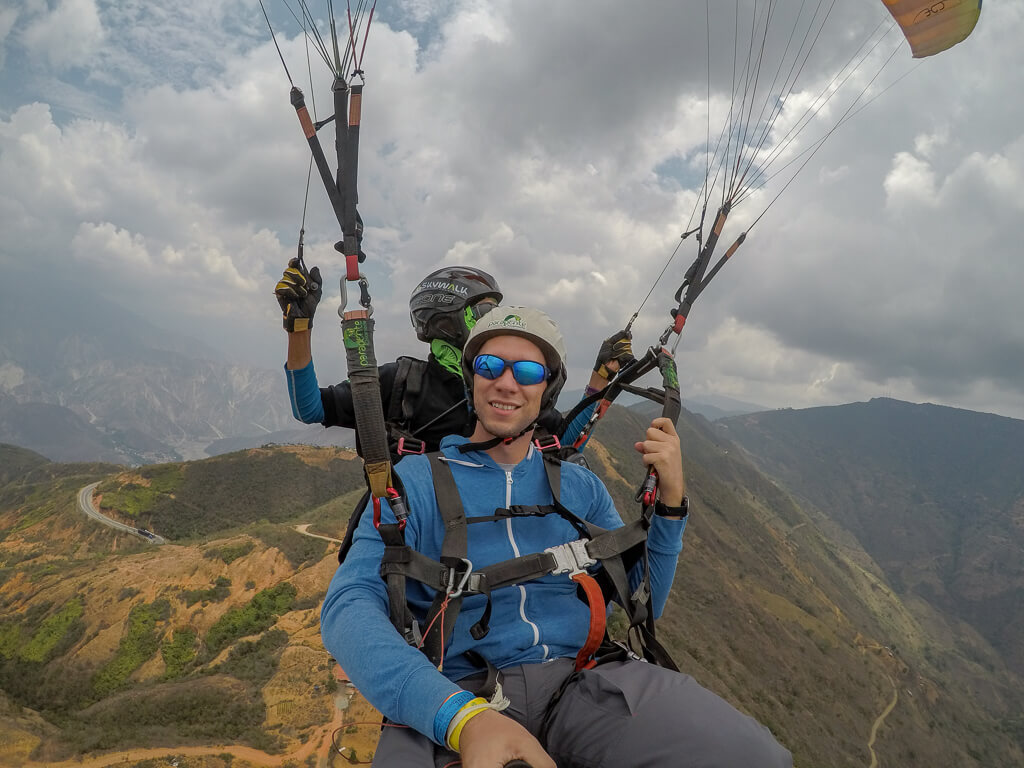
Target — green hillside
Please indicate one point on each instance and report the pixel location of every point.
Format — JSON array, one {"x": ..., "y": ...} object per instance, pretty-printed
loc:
[
  {"x": 798, "y": 625},
  {"x": 200, "y": 499},
  {"x": 935, "y": 495},
  {"x": 16, "y": 462},
  {"x": 111, "y": 643},
  {"x": 108, "y": 642}
]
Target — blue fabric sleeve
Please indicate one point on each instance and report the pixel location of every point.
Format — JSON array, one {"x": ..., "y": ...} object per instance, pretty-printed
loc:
[
  {"x": 357, "y": 631},
  {"x": 304, "y": 395},
  {"x": 664, "y": 543},
  {"x": 576, "y": 426}
]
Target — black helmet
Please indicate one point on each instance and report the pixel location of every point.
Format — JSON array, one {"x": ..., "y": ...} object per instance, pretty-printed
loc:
[{"x": 442, "y": 305}]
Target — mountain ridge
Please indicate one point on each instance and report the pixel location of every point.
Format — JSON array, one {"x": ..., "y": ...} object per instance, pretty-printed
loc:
[
  {"x": 935, "y": 494},
  {"x": 138, "y": 393}
]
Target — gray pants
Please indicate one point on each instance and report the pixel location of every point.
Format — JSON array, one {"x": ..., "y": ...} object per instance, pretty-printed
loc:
[{"x": 623, "y": 714}]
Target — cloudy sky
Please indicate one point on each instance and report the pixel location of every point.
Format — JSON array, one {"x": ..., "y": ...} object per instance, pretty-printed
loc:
[{"x": 149, "y": 156}]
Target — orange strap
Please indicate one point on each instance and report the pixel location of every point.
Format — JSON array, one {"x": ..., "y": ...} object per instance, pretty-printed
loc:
[{"x": 595, "y": 599}]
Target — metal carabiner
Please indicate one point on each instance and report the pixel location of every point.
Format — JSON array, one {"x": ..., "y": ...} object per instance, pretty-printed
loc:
[
  {"x": 364, "y": 296},
  {"x": 452, "y": 573}
]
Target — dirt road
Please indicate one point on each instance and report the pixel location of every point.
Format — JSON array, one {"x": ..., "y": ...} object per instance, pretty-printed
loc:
[{"x": 878, "y": 724}]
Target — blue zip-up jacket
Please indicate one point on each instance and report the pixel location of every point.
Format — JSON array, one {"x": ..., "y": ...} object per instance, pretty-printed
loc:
[{"x": 531, "y": 623}]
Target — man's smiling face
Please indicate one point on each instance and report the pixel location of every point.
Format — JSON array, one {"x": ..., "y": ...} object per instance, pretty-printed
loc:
[{"x": 504, "y": 407}]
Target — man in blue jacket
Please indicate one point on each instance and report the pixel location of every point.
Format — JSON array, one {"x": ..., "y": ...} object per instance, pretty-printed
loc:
[{"x": 555, "y": 709}]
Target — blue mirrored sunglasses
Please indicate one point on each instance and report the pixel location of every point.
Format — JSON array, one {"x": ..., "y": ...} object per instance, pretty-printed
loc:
[{"x": 525, "y": 372}]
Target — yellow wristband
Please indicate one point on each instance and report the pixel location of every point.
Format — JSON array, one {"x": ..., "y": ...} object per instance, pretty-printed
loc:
[{"x": 468, "y": 711}]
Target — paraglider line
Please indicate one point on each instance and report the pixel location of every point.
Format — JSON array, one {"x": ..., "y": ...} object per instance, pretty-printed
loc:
[{"x": 274, "y": 38}]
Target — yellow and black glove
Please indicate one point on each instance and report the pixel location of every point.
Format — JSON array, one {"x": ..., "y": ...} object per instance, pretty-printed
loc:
[
  {"x": 618, "y": 348},
  {"x": 298, "y": 292}
]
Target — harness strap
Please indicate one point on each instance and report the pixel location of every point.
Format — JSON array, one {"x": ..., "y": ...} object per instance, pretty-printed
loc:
[
  {"x": 609, "y": 547},
  {"x": 398, "y": 390},
  {"x": 398, "y": 607},
  {"x": 431, "y": 573},
  {"x": 364, "y": 381},
  {"x": 406, "y": 390},
  {"x": 598, "y": 619},
  {"x": 453, "y": 556},
  {"x": 453, "y": 577},
  {"x": 413, "y": 388}
]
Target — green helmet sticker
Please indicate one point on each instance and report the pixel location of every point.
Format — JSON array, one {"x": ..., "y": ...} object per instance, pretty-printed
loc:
[{"x": 511, "y": 321}]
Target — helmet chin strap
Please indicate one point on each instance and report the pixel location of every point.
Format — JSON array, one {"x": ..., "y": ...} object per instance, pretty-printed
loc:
[{"x": 486, "y": 445}]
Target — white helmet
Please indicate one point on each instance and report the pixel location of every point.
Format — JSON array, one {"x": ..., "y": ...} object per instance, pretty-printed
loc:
[{"x": 528, "y": 323}]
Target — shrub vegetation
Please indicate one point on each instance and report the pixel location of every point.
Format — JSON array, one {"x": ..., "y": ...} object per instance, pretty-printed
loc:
[
  {"x": 139, "y": 643},
  {"x": 256, "y": 662},
  {"x": 257, "y": 616},
  {"x": 178, "y": 652},
  {"x": 215, "y": 594}
]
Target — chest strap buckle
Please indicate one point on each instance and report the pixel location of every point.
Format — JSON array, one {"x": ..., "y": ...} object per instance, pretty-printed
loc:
[{"x": 571, "y": 557}]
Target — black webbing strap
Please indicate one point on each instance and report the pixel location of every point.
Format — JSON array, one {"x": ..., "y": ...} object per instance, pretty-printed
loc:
[
  {"x": 453, "y": 556},
  {"x": 398, "y": 605},
  {"x": 609, "y": 548},
  {"x": 412, "y": 389},
  {"x": 431, "y": 573},
  {"x": 357, "y": 334},
  {"x": 452, "y": 576},
  {"x": 398, "y": 390},
  {"x": 441, "y": 578},
  {"x": 405, "y": 392}
]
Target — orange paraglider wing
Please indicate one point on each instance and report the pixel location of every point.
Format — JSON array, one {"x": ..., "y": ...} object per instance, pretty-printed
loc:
[{"x": 932, "y": 26}]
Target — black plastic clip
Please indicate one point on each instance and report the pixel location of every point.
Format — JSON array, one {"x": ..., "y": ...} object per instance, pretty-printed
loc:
[
  {"x": 410, "y": 445},
  {"x": 548, "y": 443}
]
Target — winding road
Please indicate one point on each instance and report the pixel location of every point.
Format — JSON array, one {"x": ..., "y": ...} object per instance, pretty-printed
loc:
[
  {"x": 320, "y": 742},
  {"x": 86, "y": 506},
  {"x": 304, "y": 530},
  {"x": 89, "y": 510},
  {"x": 878, "y": 723}
]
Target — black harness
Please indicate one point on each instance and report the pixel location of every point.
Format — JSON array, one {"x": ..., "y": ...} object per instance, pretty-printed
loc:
[
  {"x": 453, "y": 577},
  {"x": 612, "y": 554},
  {"x": 408, "y": 432}
]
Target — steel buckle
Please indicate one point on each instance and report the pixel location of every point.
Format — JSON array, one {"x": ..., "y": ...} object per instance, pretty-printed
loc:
[
  {"x": 453, "y": 574},
  {"x": 571, "y": 558}
]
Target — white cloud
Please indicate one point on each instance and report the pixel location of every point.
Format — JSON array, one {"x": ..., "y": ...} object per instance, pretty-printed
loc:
[
  {"x": 106, "y": 245},
  {"x": 930, "y": 143},
  {"x": 67, "y": 36},
  {"x": 160, "y": 151},
  {"x": 911, "y": 180}
]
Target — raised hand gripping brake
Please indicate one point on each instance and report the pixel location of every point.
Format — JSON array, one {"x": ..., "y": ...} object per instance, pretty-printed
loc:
[{"x": 298, "y": 292}]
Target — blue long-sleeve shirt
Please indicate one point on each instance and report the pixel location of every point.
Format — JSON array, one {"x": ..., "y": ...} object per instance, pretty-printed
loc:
[{"x": 531, "y": 622}]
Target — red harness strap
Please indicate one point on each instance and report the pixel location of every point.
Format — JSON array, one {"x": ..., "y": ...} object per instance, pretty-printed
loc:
[{"x": 595, "y": 599}]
